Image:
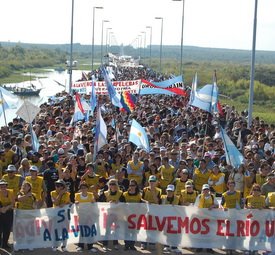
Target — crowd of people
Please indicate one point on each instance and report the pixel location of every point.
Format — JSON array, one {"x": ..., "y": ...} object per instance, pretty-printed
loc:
[{"x": 185, "y": 166}]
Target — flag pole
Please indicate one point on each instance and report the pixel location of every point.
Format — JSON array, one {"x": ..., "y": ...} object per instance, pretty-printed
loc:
[
  {"x": 3, "y": 101},
  {"x": 210, "y": 110},
  {"x": 31, "y": 132},
  {"x": 252, "y": 70}
]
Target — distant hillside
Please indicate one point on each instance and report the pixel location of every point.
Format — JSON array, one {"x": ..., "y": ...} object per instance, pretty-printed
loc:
[{"x": 190, "y": 53}]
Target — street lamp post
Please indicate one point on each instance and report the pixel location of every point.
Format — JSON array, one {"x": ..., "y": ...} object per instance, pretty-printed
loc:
[
  {"x": 252, "y": 69},
  {"x": 109, "y": 40},
  {"x": 107, "y": 31},
  {"x": 143, "y": 32},
  {"x": 71, "y": 50},
  {"x": 181, "y": 41},
  {"x": 93, "y": 40},
  {"x": 150, "y": 44},
  {"x": 160, "y": 51},
  {"x": 139, "y": 44},
  {"x": 101, "y": 52}
]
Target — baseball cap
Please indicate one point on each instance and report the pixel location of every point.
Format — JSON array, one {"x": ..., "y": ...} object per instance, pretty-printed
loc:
[
  {"x": 60, "y": 151},
  {"x": 206, "y": 154},
  {"x": 205, "y": 186},
  {"x": 60, "y": 182},
  {"x": 184, "y": 171},
  {"x": 11, "y": 168},
  {"x": 152, "y": 178},
  {"x": 162, "y": 149},
  {"x": 3, "y": 182},
  {"x": 189, "y": 158},
  {"x": 34, "y": 168},
  {"x": 188, "y": 184},
  {"x": 170, "y": 187}
]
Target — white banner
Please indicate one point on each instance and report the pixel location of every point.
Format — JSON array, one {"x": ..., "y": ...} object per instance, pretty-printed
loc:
[
  {"x": 172, "y": 225},
  {"x": 85, "y": 87}
]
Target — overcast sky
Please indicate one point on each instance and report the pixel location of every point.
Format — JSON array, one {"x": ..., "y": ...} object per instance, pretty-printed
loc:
[{"x": 207, "y": 23}]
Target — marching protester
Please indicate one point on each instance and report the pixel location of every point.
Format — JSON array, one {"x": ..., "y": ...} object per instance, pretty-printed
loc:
[
  {"x": 50, "y": 176},
  {"x": 13, "y": 179},
  {"x": 231, "y": 198},
  {"x": 188, "y": 195},
  {"x": 6, "y": 213},
  {"x": 84, "y": 196},
  {"x": 151, "y": 195},
  {"x": 132, "y": 195},
  {"x": 112, "y": 195},
  {"x": 26, "y": 199},
  {"x": 60, "y": 197},
  {"x": 206, "y": 199},
  {"x": 38, "y": 186},
  {"x": 170, "y": 199}
]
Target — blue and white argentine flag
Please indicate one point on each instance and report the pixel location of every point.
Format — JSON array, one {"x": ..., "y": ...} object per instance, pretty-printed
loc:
[
  {"x": 138, "y": 136},
  {"x": 100, "y": 133}
]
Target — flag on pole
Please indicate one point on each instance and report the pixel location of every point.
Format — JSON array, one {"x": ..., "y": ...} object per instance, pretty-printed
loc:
[
  {"x": 128, "y": 101},
  {"x": 7, "y": 100},
  {"x": 100, "y": 133},
  {"x": 206, "y": 98},
  {"x": 138, "y": 136},
  {"x": 114, "y": 96},
  {"x": 93, "y": 98},
  {"x": 233, "y": 156},
  {"x": 78, "y": 109}
]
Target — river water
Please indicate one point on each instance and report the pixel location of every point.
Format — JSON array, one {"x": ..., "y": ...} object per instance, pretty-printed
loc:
[{"x": 48, "y": 81}]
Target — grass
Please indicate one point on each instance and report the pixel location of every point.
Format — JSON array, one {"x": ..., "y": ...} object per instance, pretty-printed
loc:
[{"x": 265, "y": 112}]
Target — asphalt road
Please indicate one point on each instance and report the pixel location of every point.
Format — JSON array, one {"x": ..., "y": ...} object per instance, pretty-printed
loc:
[{"x": 72, "y": 249}]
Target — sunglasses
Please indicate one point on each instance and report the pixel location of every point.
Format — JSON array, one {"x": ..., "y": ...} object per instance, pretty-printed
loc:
[
  {"x": 58, "y": 185},
  {"x": 132, "y": 185},
  {"x": 256, "y": 190},
  {"x": 112, "y": 184}
]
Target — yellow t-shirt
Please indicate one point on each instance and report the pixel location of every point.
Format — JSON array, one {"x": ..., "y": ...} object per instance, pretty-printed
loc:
[
  {"x": 200, "y": 178},
  {"x": 37, "y": 186},
  {"x": 164, "y": 200},
  {"x": 232, "y": 200},
  {"x": 88, "y": 199},
  {"x": 148, "y": 194},
  {"x": 65, "y": 198},
  {"x": 7, "y": 200},
  {"x": 166, "y": 175},
  {"x": 255, "y": 202},
  {"x": 27, "y": 204},
  {"x": 14, "y": 183},
  {"x": 132, "y": 198}
]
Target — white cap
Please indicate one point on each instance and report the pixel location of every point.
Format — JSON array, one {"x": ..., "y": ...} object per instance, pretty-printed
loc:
[
  {"x": 34, "y": 168},
  {"x": 60, "y": 151},
  {"x": 11, "y": 168},
  {"x": 170, "y": 187},
  {"x": 205, "y": 186}
]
